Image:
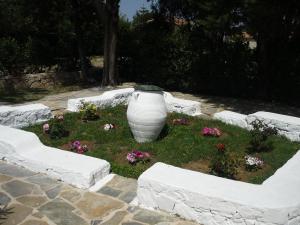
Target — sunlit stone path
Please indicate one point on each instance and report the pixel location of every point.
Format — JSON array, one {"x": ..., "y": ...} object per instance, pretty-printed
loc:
[{"x": 35, "y": 199}]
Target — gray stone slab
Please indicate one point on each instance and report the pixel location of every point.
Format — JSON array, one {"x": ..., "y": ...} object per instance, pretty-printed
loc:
[
  {"x": 14, "y": 171},
  {"x": 127, "y": 196},
  {"x": 96, "y": 222},
  {"x": 45, "y": 182},
  {"x": 17, "y": 188},
  {"x": 131, "y": 223},
  {"x": 60, "y": 213},
  {"x": 4, "y": 199},
  {"x": 123, "y": 183},
  {"x": 4, "y": 178},
  {"x": 109, "y": 191},
  {"x": 116, "y": 219},
  {"x": 17, "y": 213},
  {"x": 54, "y": 192},
  {"x": 150, "y": 217}
]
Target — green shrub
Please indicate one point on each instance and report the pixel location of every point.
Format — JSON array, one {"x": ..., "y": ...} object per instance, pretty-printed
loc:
[
  {"x": 88, "y": 111},
  {"x": 260, "y": 134},
  {"x": 222, "y": 164},
  {"x": 57, "y": 129}
]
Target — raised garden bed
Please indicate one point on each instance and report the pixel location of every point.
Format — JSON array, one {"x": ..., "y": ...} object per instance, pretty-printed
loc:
[{"x": 179, "y": 145}]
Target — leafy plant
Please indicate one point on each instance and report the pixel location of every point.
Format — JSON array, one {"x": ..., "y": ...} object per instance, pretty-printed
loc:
[
  {"x": 260, "y": 134},
  {"x": 222, "y": 164},
  {"x": 4, "y": 212},
  {"x": 56, "y": 129},
  {"x": 88, "y": 111}
]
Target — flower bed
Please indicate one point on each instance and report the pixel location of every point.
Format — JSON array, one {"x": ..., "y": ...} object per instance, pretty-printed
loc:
[{"x": 187, "y": 142}]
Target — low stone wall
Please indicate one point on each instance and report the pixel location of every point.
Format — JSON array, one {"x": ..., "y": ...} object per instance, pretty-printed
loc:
[
  {"x": 232, "y": 118},
  {"x": 40, "y": 80},
  {"x": 25, "y": 149},
  {"x": 121, "y": 96},
  {"x": 212, "y": 200},
  {"x": 107, "y": 99},
  {"x": 287, "y": 126},
  {"x": 24, "y": 115}
]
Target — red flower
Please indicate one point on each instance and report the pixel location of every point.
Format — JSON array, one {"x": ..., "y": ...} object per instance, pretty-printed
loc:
[{"x": 221, "y": 147}]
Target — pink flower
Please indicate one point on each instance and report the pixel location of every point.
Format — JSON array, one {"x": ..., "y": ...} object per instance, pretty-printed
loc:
[
  {"x": 216, "y": 132},
  {"x": 147, "y": 155},
  {"x": 80, "y": 150},
  {"x": 131, "y": 157},
  {"x": 138, "y": 154},
  {"x": 46, "y": 128},
  {"x": 206, "y": 131}
]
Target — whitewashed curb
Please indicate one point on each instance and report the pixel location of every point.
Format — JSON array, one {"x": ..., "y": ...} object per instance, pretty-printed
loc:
[
  {"x": 212, "y": 200},
  {"x": 25, "y": 149},
  {"x": 121, "y": 96},
  {"x": 287, "y": 126},
  {"x": 24, "y": 115},
  {"x": 232, "y": 118}
]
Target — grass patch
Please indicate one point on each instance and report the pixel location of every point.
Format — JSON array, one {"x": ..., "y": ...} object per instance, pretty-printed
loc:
[{"x": 182, "y": 146}]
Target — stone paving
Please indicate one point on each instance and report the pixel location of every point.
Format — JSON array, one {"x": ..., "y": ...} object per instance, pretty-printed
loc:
[{"x": 35, "y": 199}]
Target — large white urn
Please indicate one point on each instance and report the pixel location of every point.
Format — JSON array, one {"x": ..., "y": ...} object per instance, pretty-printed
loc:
[{"x": 146, "y": 113}]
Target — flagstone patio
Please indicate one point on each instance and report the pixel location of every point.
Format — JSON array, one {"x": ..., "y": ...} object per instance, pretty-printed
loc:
[{"x": 35, "y": 199}]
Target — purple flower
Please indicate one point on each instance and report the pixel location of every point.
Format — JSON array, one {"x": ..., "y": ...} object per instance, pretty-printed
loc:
[
  {"x": 76, "y": 144},
  {"x": 131, "y": 157}
]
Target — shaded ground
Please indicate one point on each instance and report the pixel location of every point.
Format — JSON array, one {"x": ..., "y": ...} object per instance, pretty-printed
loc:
[{"x": 35, "y": 199}]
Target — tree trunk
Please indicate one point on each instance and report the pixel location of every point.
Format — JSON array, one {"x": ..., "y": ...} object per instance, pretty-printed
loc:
[
  {"x": 111, "y": 19},
  {"x": 79, "y": 37}
]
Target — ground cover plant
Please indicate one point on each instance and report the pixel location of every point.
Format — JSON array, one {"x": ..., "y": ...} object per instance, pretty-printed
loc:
[{"x": 189, "y": 142}]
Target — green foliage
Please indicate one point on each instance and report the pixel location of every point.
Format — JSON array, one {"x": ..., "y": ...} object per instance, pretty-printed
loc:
[
  {"x": 200, "y": 46},
  {"x": 37, "y": 34},
  {"x": 13, "y": 56},
  {"x": 88, "y": 111},
  {"x": 223, "y": 165},
  {"x": 128, "y": 170},
  {"x": 260, "y": 134},
  {"x": 57, "y": 129}
]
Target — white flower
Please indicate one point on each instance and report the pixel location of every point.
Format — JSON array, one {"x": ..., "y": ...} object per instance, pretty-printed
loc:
[
  {"x": 107, "y": 127},
  {"x": 253, "y": 161}
]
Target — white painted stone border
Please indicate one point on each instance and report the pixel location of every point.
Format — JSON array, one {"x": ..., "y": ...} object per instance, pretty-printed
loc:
[
  {"x": 24, "y": 115},
  {"x": 287, "y": 126},
  {"x": 122, "y": 96},
  {"x": 212, "y": 200},
  {"x": 232, "y": 118},
  {"x": 25, "y": 149}
]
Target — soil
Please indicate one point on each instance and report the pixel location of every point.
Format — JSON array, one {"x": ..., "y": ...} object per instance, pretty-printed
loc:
[
  {"x": 242, "y": 174},
  {"x": 67, "y": 146}
]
